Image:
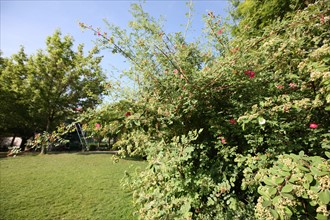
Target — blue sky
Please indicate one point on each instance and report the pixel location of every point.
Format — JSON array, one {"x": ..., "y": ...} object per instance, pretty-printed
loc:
[{"x": 28, "y": 23}]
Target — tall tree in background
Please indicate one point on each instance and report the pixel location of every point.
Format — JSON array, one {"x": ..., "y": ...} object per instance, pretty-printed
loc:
[
  {"x": 254, "y": 15},
  {"x": 47, "y": 86},
  {"x": 14, "y": 96}
]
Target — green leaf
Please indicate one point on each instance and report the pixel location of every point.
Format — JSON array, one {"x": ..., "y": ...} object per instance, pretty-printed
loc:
[
  {"x": 233, "y": 204},
  {"x": 272, "y": 191},
  {"x": 274, "y": 213},
  {"x": 316, "y": 172},
  {"x": 315, "y": 189},
  {"x": 306, "y": 185},
  {"x": 293, "y": 76},
  {"x": 287, "y": 188},
  {"x": 301, "y": 167},
  {"x": 185, "y": 208},
  {"x": 293, "y": 179},
  {"x": 286, "y": 168},
  {"x": 327, "y": 153},
  {"x": 210, "y": 201},
  {"x": 304, "y": 195},
  {"x": 266, "y": 203},
  {"x": 262, "y": 191},
  {"x": 325, "y": 197},
  {"x": 288, "y": 211},
  {"x": 309, "y": 178},
  {"x": 312, "y": 203},
  {"x": 279, "y": 180},
  {"x": 276, "y": 199},
  {"x": 269, "y": 181},
  {"x": 287, "y": 195},
  {"x": 137, "y": 122},
  {"x": 321, "y": 217},
  {"x": 243, "y": 186}
]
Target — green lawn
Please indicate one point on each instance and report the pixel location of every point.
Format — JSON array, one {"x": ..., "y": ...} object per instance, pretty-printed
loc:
[{"x": 65, "y": 186}]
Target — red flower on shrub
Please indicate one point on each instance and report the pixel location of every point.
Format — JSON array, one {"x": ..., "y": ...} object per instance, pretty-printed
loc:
[
  {"x": 279, "y": 86},
  {"x": 128, "y": 114},
  {"x": 219, "y": 31},
  {"x": 232, "y": 121},
  {"x": 98, "y": 33},
  {"x": 322, "y": 19},
  {"x": 249, "y": 73},
  {"x": 293, "y": 85},
  {"x": 223, "y": 141},
  {"x": 175, "y": 71},
  {"x": 313, "y": 125},
  {"x": 97, "y": 125}
]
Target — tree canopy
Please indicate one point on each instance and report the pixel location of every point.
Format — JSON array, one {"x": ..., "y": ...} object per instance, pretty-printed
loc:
[
  {"x": 42, "y": 90},
  {"x": 254, "y": 15}
]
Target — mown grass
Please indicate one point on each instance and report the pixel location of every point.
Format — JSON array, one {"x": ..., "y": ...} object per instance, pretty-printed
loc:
[{"x": 65, "y": 186}]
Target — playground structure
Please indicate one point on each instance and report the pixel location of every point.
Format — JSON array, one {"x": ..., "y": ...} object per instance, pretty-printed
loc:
[{"x": 82, "y": 137}]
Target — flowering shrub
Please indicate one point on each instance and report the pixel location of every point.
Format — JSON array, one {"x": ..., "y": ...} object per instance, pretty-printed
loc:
[
  {"x": 46, "y": 141},
  {"x": 249, "y": 73},
  {"x": 220, "y": 122}
]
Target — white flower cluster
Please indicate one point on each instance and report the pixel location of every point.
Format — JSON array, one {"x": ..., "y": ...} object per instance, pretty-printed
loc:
[{"x": 261, "y": 212}]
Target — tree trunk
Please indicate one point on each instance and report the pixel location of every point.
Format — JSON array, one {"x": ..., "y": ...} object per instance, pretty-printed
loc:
[
  {"x": 23, "y": 144},
  {"x": 43, "y": 147},
  {"x": 13, "y": 141},
  {"x": 43, "y": 150}
]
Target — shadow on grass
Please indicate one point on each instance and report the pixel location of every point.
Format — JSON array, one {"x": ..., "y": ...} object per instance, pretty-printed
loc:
[
  {"x": 35, "y": 153},
  {"x": 22, "y": 154},
  {"x": 96, "y": 152},
  {"x": 86, "y": 153},
  {"x": 113, "y": 152},
  {"x": 136, "y": 158}
]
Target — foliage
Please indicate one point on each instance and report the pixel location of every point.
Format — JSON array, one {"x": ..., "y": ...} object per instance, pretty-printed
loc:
[
  {"x": 41, "y": 90},
  {"x": 14, "y": 151},
  {"x": 47, "y": 140},
  {"x": 254, "y": 15},
  {"x": 297, "y": 187},
  {"x": 13, "y": 97},
  {"x": 105, "y": 122},
  {"x": 215, "y": 118}
]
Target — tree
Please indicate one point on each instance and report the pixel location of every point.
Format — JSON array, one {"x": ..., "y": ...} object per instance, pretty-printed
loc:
[
  {"x": 51, "y": 84},
  {"x": 255, "y": 15},
  {"x": 14, "y": 97}
]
